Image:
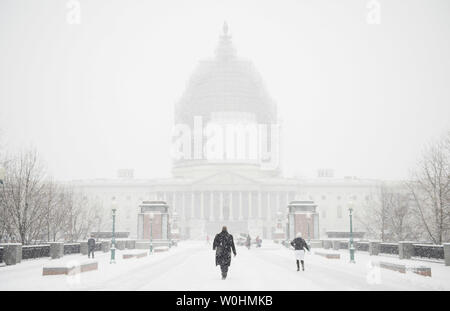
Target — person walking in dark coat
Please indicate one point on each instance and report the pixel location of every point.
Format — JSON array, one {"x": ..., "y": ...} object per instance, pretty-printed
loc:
[
  {"x": 91, "y": 246},
  {"x": 223, "y": 245},
  {"x": 299, "y": 245}
]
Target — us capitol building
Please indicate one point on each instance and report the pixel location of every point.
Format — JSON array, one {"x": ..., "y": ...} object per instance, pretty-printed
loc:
[{"x": 212, "y": 186}]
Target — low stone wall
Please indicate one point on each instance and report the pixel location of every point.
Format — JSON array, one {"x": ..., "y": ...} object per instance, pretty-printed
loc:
[
  {"x": 134, "y": 255},
  {"x": 447, "y": 253},
  {"x": 425, "y": 271},
  {"x": 70, "y": 270},
  {"x": 56, "y": 250},
  {"x": 429, "y": 251},
  {"x": 71, "y": 248},
  {"x": 405, "y": 250},
  {"x": 160, "y": 249},
  {"x": 421, "y": 270},
  {"x": 120, "y": 244},
  {"x": 362, "y": 246},
  {"x": 146, "y": 244},
  {"x": 328, "y": 255},
  {"x": 35, "y": 251},
  {"x": 327, "y": 244},
  {"x": 390, "y": 266},
  {"x": 12, "y": 253},
  {"x": 84, "y": 248},
  {"x": 130, "y": 244},
  {"x": 106, "y": 246},
  {"x": 374, "y": 248},
  {"x": 316, "y": 244}
]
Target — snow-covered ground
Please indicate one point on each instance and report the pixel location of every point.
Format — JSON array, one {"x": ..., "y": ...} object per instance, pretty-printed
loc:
[{"x": 190, "y": 266}]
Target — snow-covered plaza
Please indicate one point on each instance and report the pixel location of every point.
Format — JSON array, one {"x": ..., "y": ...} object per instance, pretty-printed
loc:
[{"x": 190, "y": 266}]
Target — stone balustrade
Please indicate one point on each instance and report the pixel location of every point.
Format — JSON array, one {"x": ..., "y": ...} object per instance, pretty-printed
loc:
[
  {"x": 374, "y": 248},
  {"x": 12, "y": 253},
  {"x": 56, "y": 250},
  {"x": 328, "y": 255}
]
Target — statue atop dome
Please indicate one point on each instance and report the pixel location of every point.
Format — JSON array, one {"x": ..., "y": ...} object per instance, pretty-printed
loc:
[{"x": 225, "y": 49}]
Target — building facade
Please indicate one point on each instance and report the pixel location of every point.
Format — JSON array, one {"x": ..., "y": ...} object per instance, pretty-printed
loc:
[{"x": 226, "y": 162}]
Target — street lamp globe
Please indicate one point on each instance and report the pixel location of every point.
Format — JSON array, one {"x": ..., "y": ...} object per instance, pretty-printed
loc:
[
  {"x": 114, "y": 206},
  {"x": 350, "y": 206}
]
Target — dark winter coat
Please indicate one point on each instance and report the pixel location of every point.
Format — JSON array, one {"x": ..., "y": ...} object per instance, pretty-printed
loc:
[
  {"x": 299, "y": 244},
  {"x": 223, "y": 245},
  {"x": 91, "y": 243}
]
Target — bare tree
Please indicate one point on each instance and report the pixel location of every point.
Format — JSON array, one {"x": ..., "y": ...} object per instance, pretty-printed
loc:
[
  {"x": 82, "y": 216},
  {"x": 430, "y": 189},
  {"x": 388, "y": 216},
  {"x": 374, "y": 216},
  {"x": 401, "y": 221},
  {"x": 21, "y": 198},
  {"x": 55, "y": 214}
]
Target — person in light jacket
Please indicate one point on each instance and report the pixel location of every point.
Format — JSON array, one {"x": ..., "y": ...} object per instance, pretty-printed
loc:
[{"x": 299, "y": 245}]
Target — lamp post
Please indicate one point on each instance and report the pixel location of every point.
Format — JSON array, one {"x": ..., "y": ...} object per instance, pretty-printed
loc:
[
  {"x": 113, "y": 240},
  {"x": 351, "y": 246},
  {"x": 151, "y": 216}
]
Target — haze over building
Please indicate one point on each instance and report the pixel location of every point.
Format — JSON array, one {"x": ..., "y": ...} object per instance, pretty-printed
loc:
[{"x": 226, "y": 169}]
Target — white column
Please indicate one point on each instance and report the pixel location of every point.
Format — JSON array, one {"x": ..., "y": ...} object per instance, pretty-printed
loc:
[
  {"x": 231, "y": 205},
  {"x": 278, "y": 202},
  {"x": 202, "y": 208},
  {"x": 259, "y": 205},
  {"x": 221, "y": 206},
  {"x": 240, "y": 206},
  {"x": 268, "y": 205},
  {"x": 211, "y": 206},
  {"x": 250, "y": 201},
  {"x": 183, "y": 205},
  {"x": 286, "y": 211},
  {"x": 192, "y": 205},
  {"x": 174, "y": 202}
]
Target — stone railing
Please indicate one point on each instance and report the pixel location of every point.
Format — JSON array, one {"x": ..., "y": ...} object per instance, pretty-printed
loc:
[
  {"x": 12, "y": 253},
  {"x": 362, "y": 246},
  {"x": 429, "y": 251},
  {"x": 71, "y": 248},
  {"x": 35, "y": 251},
  {"x": 404, "y": 249},
  {"x": 389, "y": 248}
]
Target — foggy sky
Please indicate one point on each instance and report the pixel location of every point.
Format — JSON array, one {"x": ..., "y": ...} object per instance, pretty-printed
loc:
[{"x": 95, "y": 97}]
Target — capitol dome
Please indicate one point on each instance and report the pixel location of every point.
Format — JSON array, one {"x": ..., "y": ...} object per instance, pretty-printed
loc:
[
  {"x": 224, "y": 90},
  {"x": 225, "y": 84}
]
